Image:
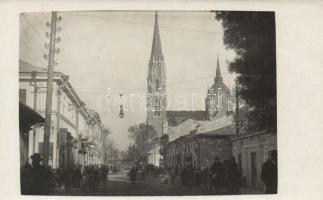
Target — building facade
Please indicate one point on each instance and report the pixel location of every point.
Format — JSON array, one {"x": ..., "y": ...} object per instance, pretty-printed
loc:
[
  {"x": 70, "y": 119},
  {"x": 198, "y": 146},
  {"x": 27, "y": 118},
  {"x": 251, "y": 150}
]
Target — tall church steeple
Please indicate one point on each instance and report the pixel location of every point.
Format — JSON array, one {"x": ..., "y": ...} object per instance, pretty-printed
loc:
[
  {"x": 218, "y": 100},
  {"x": 218, "y": 76},
  {"x": 156, "y": 84},
  {"x": 156, "y": 50}
]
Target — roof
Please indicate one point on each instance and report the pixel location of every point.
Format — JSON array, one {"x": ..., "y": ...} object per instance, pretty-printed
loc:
[
  {"x": 175, "y": 118},
  {"x": 28, "y": 117},
  {"x": 190, "y": 128},
  {"x": 182, "y": 129},
  {"x": 27, "y": 67},
  {"x": 215, "y": 125},
  {"x": 218, "y": 75},
  {"x": 218, "y": 80},
  {"x": 224, "y": 131},
  {"x": 156, "y": 50}
]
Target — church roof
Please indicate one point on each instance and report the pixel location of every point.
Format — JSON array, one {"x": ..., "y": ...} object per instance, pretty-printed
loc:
[
  {"x": 218, "y": 75},
  {"x": 175, "y": 117},
  {"x": 218, "y": 80},
  {"x": 156, "y": 50}
]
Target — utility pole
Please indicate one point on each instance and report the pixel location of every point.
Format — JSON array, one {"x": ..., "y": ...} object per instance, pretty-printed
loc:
[
  {"x": 49, "y": 92},
  {"x": 35, "y": 108}
]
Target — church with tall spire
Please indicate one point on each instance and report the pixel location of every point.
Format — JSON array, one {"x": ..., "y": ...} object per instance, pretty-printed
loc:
[
  {"x": 156, "y": 84},
  {"x": 218, "y": 101}
]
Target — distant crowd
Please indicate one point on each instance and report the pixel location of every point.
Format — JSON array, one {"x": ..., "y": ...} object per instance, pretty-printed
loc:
[
  {"x": 219, "y": 178},
  {"x": 39, "y": 180}
]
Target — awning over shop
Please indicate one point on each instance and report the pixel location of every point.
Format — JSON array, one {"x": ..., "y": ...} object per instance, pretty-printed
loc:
[{"x": 28, "y": 117}]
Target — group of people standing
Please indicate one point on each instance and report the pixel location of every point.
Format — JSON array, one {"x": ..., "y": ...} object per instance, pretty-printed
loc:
[
  {"x": 36, "y": 179},
  {"x": 87, "y": 178},
  {"x": 39, "y": 180},
  {"x": 223, "y": 177},
  {"x": 220, "y": 177}
]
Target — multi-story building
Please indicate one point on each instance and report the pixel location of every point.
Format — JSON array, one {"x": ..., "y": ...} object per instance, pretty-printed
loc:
[{"x": 71, "y": 122}]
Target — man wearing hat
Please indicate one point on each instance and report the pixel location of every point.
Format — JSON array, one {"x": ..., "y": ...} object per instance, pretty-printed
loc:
[
  {"x": 217, "y": 172},
  {"x": 269, "y": 173},
  {"x": 40, "y": 176}
]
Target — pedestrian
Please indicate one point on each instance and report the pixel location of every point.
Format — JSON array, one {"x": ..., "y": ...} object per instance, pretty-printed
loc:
[
  {"x": 78, "y": 175},
  {"x": 96, "y": 176},
  {"x": 172, "y": 176},
  {"x": 217, "y": 172},
  {"x": 25, "y": 179},
  {"x": 86, "y": 179},
  {"x": 203, "y": 180},
  {"x": 104, "y": 175},
  {"x": 41, "y": 177},
  {"x": 269, "y": 173},
  {"x": 92, "y": 186},
  {"x": 132, "y": 174},
  {"x": 68, "y": 178},
  {"x": 232, "y": 177},
  {"x": 59, "y": 173}
]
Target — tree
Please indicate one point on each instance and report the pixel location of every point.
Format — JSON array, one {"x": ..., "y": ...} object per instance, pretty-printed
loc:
[
  {"x": 143, "y": 137},
  {"x": 252, "y": 36}
]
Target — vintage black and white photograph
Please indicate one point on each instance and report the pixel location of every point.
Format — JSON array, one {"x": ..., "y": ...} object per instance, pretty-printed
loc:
[{"x": 147, "y": 103}]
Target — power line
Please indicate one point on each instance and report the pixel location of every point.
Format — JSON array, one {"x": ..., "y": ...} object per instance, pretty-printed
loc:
[
  {"x": 31, "y": 37},
  {"x": 144, "y": 90},
  {"x": 39, "y": 22},
  {"x": 146, "y": 24},
  {"x": 32, "y": 27}
]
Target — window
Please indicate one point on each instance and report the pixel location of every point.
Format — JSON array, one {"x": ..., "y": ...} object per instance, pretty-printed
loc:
[
  {"x": 157, "y": 84},
  {"x": 212, "y": 103},
  {"x": 240, "y": 162},
  {"x": 22, "y": 95}
]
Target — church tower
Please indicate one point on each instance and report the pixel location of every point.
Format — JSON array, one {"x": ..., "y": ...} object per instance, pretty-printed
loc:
[
  {"x": 218, "y": 101},
  {"x": 156, "y": 85}
]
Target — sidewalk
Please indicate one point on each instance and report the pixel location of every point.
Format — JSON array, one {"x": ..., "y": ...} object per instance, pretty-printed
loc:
[{"x": 243, "y": 190}]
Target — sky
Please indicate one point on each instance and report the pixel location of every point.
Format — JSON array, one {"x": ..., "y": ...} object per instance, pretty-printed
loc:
[{"x": 107, "y": 53}]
